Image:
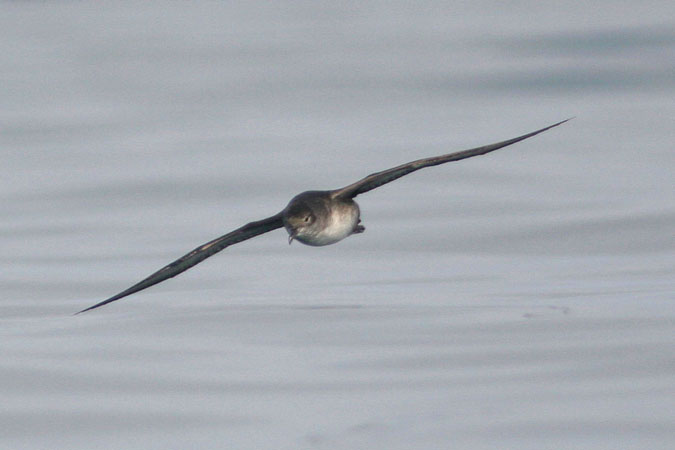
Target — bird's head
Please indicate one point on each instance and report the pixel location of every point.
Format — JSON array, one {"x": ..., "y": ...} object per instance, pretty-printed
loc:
[{"x": 299, "y": 222}]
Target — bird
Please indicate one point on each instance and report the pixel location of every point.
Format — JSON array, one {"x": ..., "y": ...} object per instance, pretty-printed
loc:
[{"x": 314, "y": 218}]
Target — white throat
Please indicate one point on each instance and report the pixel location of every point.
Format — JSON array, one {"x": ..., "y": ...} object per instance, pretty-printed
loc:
[{"x": 339, "y": 224}]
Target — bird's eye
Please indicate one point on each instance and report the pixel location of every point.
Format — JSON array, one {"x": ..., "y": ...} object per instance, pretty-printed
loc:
[{"x": 308, "y": 219}]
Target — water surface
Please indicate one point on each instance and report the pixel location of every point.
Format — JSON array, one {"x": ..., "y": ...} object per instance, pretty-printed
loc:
[{"x": 521, "y": 300}]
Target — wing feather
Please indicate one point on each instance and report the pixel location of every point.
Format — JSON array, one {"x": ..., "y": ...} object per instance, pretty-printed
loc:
[
  {"x": 377, "y": 179},
  {"x": 198, "y": 255}
]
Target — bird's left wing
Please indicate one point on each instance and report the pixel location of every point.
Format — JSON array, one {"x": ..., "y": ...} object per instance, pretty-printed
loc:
[
  {"x": 377, "y": 179},
  {"x": 199, "y": 254}
]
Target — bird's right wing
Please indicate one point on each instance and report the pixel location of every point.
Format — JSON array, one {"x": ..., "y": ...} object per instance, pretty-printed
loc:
[{"x": 199, "y": 254}]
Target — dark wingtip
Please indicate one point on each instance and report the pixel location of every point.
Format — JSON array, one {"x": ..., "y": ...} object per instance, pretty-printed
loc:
[
  {"x": 105, "y": 302},
  {"x": 556, "y": 124},
  {"x": 534, "y": 133},
  {"x": 87, "y": 309}
]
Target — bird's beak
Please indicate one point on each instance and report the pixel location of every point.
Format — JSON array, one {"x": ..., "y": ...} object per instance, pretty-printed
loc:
[{"x": 291, "y": 237}]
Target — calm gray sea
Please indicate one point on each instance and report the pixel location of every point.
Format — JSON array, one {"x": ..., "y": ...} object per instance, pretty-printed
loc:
[{"x": 521, "y": 300}]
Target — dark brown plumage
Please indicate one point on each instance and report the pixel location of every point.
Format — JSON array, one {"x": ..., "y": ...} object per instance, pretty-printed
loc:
[{"x": 313, "y": 217}]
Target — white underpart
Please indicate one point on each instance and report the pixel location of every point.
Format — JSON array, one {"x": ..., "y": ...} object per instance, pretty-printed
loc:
[{"x": 340, "y": 225}]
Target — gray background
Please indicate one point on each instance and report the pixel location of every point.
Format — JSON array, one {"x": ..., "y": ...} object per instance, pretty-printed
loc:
[{"x": 521, "y": 300}]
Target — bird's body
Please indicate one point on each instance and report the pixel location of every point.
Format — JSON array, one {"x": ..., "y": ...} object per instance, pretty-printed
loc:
[
  {"x": 313, "y": 218},
  {"x": 331, "y": 218}
]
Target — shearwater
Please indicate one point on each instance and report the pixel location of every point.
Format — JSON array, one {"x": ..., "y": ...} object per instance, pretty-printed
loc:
[{"x": 314, "y": 217}]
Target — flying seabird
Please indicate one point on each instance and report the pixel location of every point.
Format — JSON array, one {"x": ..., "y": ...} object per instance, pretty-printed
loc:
[{"x": 314, "y": 218}]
